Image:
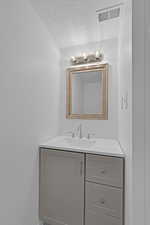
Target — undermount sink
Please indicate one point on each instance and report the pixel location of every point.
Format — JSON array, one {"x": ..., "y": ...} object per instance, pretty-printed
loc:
[
  {"x": 92, "y": 145},
  {"x": 78, "y": 142}
]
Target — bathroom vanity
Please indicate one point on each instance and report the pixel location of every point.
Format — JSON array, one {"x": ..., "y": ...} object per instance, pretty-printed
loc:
[{"x": 81, "y": 182}]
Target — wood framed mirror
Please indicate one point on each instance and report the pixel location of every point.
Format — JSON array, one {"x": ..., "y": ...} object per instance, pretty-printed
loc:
[{"x": 87, "y": 92}]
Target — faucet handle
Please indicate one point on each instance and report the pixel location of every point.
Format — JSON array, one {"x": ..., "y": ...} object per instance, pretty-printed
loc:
[
  {"x": 90, "y": 135},
  {"x": 79, "y": 131},
  {"x": 71, "y": 133}
]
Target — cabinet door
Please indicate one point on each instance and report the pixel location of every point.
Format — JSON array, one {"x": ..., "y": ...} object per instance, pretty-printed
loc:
[{"x": 61, "y": 187}]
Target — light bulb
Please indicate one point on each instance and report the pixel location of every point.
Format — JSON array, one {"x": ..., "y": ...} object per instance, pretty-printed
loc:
[
  {"x": 84, "y": 56},
  {"x": 97, "y": 54},
  {"x": 73, "y": 58}
]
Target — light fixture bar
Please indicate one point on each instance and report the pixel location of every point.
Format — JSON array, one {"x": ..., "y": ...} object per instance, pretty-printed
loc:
[
  {"x": 110, "y": 7},
  {"x": 87, "y": 58}
]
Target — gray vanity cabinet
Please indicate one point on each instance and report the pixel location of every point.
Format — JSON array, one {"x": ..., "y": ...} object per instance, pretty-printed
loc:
[
  {"x": 81, "y": 189},
  {"x": 61, "y": 187}
]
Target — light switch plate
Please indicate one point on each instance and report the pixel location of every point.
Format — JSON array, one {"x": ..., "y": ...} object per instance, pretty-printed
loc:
[{"x": 124, "y": 102}]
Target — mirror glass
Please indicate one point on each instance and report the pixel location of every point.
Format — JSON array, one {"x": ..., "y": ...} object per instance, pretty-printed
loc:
[{"x": 86, "y": 92}]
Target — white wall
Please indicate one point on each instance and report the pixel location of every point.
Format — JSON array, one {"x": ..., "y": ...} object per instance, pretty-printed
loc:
[
  {"x": 102, "y": 128},
  {"x": 147, "y": 111},
  {"x": 125, "y": 109},
  {"x": 29, "y": 91}
]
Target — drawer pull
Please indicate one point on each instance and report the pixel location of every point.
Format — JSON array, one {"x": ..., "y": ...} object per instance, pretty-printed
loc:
[
  {"x": 102, "y": 201},
  {"x": 103, "y": 171},
  {"x": 81, "y": 168}
]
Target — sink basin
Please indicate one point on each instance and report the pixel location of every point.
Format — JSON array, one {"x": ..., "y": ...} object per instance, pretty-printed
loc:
[{"x": 77, "y": 142}]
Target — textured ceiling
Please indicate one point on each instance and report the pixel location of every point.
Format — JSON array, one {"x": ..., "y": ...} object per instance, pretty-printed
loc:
[{"x": 71, "y": 22}]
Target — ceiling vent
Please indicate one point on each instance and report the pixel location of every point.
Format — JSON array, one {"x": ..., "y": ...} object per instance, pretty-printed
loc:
[{"x": 108, "y": 13}]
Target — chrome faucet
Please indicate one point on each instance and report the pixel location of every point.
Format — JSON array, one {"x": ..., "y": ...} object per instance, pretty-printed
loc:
[{"x": 79, "y": 131}]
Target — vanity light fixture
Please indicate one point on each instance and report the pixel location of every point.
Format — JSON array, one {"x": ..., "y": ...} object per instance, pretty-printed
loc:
[{"x": 87, "y": 58}]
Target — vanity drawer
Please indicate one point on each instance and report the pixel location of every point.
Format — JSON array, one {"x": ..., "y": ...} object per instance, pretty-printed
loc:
[
  {"x": 101, "y": 218},
  {"x": 104, "y": 170},
  {"x": 101, "y": 198}
]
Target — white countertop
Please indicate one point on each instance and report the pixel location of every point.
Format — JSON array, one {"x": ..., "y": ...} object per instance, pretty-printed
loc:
[{"x": 109, "y": 147}]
